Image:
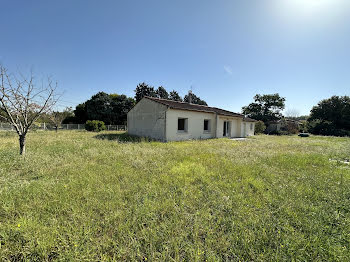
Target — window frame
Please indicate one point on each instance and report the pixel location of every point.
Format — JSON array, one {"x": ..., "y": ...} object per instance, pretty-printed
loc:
[
  {"x": 185, "y": 130},
  {"x": 209, "y": 126}
]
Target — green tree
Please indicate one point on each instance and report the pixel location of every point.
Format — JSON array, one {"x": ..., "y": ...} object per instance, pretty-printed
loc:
[
  {"x": 112, "y": 109},
  {"x": 80, "y": 115},
  {"x": 121, "y": 105},
  {"x": 265, "y": 107},
  {"x": 194, "y": 99},
  {"x": 259, "y": 127},
  {"x": 162, "y": 93},
  {"x": 173, "y": 95},
  {"x": 331, "y": 117},
  {"x": 99, "y": 108},
  {"x": 142, "y": 90}
]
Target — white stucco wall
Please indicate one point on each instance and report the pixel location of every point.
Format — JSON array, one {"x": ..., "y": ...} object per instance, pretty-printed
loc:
[
  {"x": 147, "y": 119},
  {"x": 250, "y": 129},
  {"x": 246, "y": 130},
  {"x": 234, "y": 126},
  {"x": 195, "y": 125}
]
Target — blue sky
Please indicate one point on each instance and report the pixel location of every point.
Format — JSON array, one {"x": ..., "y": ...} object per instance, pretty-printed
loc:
[{"x": 226, "y": 50}]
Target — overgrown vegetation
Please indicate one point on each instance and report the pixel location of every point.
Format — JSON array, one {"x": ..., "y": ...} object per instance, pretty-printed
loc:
[
  {"x": 112, "y": 109},
  {"x": 95, "y": 126},
  {"x": 79, "y": 197},
  {"x": 260, "y": 127},
  {"x": 331, "y": 117}
]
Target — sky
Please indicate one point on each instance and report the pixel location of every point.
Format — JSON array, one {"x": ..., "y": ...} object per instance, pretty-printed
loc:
[{"x": 226, "y": 51}]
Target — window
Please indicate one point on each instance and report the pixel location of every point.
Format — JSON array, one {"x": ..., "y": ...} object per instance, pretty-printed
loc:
[
  {"x": 251, "y": 127},
  {"x": 206, "y": 125},
  {"x": 182, "y": 124}
]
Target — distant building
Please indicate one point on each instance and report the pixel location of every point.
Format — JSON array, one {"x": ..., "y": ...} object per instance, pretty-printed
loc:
[
  {"x": 169, "y": 120},
  {"x": 282, "y": 125}
]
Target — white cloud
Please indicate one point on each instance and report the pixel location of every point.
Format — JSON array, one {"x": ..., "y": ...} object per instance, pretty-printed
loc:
[{"x": 228, "y": 70}]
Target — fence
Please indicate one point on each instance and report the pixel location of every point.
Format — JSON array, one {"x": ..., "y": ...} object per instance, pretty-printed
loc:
[{"x": 46, "y": 126}]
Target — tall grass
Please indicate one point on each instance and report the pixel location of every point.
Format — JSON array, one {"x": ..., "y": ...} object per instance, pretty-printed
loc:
[{"x": 87, "y": 197}]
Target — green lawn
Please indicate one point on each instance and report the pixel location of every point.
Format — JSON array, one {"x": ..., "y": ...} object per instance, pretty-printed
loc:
[{"x": 87, "y": 197}]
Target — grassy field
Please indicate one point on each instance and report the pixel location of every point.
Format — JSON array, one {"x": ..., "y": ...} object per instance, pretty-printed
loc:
[{"x": 88, "y": 197}]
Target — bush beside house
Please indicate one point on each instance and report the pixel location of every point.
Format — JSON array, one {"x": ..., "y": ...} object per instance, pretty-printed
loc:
[{"x": 260, "y": 127}]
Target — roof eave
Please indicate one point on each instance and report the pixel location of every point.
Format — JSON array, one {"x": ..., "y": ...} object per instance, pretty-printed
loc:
[{"x": 204, "y": 111}]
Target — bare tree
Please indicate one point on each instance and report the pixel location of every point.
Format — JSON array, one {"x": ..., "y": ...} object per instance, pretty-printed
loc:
[
  {"x": 57, "y": 117},
  {"x": 291, "y": 112},
  {"x": 23, "y": 101}
]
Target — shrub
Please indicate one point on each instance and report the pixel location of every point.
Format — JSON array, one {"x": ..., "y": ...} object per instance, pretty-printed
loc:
[
  {"x": 259, "y": 127},
  {"x": 291, "y": 128},
  {"x": 331, "y": 117},
  {"x": 303, "y": 128},
  {"x": 95, "y": 125},
  {"x": 326, "y": 128}
]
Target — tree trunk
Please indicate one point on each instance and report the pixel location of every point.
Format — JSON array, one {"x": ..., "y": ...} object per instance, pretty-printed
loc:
[
  {"x": 22, "y": 144},
  {"x": 56, "y": 128}
]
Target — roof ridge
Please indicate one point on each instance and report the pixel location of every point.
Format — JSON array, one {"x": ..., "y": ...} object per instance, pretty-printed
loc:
[
  {"x": 186, "y": 103},
  {"x": 157, "y": 98},
  {"x": 226, "y": 110}
]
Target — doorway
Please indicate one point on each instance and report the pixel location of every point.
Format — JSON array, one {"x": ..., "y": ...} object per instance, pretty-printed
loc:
[{"x": 226, "y": 128}]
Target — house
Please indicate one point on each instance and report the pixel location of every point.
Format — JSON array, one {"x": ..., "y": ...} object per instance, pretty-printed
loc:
[
  {"x": 168, "y": 120},
  {"x": 287, "y": 125}
]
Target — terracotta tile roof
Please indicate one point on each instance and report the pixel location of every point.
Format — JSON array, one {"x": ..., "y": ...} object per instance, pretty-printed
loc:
[
  {"x": 247, "y": 119},
  {"x": 193, "y": 107}
]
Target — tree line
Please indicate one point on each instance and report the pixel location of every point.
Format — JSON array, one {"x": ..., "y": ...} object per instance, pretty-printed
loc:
[
  {"x": 143, "y": 89},
  {"x": 329, "y": 117},
  {"x": 112, "y": 109}
]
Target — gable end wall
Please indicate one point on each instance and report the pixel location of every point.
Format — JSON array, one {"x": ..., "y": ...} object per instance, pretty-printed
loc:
[{"x": 147, "y": 119}]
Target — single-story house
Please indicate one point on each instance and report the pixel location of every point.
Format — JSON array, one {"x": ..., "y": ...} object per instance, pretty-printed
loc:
[{"x": 168, "y": 120}]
